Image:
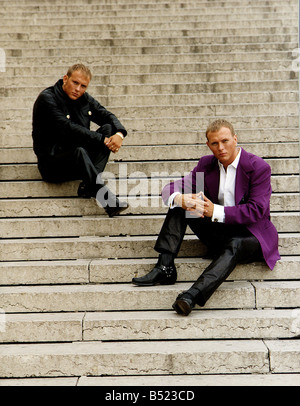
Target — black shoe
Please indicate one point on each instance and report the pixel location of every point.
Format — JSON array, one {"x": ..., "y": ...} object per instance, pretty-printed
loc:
[
  {"x": 184, "y": 304},
  {"x": 84, "y": 191},
  {"x": 112, "y": 205},
  {"x": 160, "y": 275},
  {"x": 115, "y": 211}
]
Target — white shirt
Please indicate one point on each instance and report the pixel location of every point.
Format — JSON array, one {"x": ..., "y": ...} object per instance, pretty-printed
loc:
[{"x": 226, "y": 196}]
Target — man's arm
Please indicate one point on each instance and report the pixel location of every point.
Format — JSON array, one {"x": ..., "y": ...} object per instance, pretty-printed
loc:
[
  {"x": 190, "y": 184},
  {"x": 101, "y": 116}
]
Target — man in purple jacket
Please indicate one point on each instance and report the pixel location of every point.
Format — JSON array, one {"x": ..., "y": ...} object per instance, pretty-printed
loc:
[{"x": 229, "y": 212}]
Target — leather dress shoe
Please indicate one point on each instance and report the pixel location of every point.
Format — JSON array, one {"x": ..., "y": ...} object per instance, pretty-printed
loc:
[
  {"x": 84, "y": 191},
  {"x": 160, "y": 275},
  {"x": 184, "y": 304},
  {"x": 115, "y": 211}
]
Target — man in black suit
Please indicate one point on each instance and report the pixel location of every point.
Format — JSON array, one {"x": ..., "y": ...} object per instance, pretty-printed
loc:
[{"x": 66, "y": 147}]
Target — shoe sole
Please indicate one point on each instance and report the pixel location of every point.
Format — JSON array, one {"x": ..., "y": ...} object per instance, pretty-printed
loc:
[
  {"x": 153, "y": 284},
  {"x": 182, "y": 307},
  {"x": 120, "y": 209}
]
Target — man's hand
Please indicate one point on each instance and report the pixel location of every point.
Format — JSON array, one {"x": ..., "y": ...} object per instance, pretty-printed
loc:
[
  {"x": 190, "y": 202},
  {"x": 197, "y": 204},
  {"x": 208, "y": 207},
  {"x": 114, "y": 143}
]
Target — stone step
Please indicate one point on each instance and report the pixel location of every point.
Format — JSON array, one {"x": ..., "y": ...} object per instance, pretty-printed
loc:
[
  {"x": 44, "y": 382},
  {"x": 286, "y": 379},
  {"x": 148, "y": 205},
  {"x": 149, "y": 325},
  {"x": 153, "y": 50},
  {"x": 163, "y": 358},
  {"x": 162, "y": 152},
  {"x": 142, "y": 69},
  {"x": 240, "y": 324},
  {"x": 136, "y": 11},
  {"x": 191, "y": 123},
  {"x": 138, "y": 186},
  {"x": 114, "y": 271},
  {"x": 136, "y": 7},
  {"x": 151, "y": 358},
  {"x": 105, "y": 271},
  {"x": 117, "y": 16},
  {"x": 81, "y": 298},
  {"x": 92, "y": 247},
  {"x": 192, "y": 111},
  {"x": 163, "y": 30},
  {"x": 148, "y": 25},
  {"x": 136, "y": 90},
  {"x": 143, "y": 59},
  {"x": 257, "y": 135},
  {"x": 113, "y": 102},
  {"x": 125, "y": 3},
  {"x": 134, "y": 41},
  {"x": 134, "y": 186},
  {"x": 99, "y": 226},
  {"x": 120, "y": 170}
]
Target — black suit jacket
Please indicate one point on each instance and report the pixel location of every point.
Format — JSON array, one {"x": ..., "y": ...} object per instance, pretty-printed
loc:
[{"x": 60, "y": 123}]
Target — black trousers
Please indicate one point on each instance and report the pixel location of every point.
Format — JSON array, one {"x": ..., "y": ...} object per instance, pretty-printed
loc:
[
  {"x": 78, "y": 163},
  {"x": 227, "y": 245}
]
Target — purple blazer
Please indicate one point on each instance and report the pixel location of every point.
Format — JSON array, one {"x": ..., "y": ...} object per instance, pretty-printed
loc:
[{"x": 252, "y": 197}]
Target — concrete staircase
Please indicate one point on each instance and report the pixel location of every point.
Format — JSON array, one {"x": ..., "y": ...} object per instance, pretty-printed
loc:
[{"x": 68, "y": 312}]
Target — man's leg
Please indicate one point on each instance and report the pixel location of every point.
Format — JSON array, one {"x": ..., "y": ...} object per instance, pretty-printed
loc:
[
  {"x": 168, "y": 245},
  {"x": 172, "y": 232},
  {"x": 97, "y": 158},
  {"x": 68, "y": 165},
  {"x": 77, "y": 164},
  {"x": 239, "y": 249},
  {"x": 104, "y": 195},
  {"x": 100, "y": 158}
]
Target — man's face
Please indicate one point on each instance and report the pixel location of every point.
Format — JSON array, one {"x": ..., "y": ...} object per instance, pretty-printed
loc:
[
  {"x": 223, "y": 145},
  {"x": 76, "y": 85}
]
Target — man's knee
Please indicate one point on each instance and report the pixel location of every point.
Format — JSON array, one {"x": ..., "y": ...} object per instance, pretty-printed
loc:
[
  {"x": 106, "y": 130},
  {"x": 80, "y": 152},
  {"x": 235, "y": 244},
  {"x": 246, "y": 249}
]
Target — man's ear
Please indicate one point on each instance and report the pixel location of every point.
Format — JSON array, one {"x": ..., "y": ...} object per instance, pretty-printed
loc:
[
  {"x": 207, "y": 143},
  {"x": 65, "y": 79}
]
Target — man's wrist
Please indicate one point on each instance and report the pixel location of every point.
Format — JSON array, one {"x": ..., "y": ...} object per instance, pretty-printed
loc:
[
  {"x": 218, "y": 214},
  {"x": 171, "y": 201},
  {"x": 178, "y": 200},
  {"x": 120, "y": 135}
]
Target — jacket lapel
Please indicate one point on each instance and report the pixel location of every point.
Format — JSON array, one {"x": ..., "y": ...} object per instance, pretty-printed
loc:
[
  {"x": 212, "y": 180},
  {"x": 242, "y": 177}
]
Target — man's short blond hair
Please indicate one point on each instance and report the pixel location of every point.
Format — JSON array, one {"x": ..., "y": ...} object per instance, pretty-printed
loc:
[
  {"x": 217, "y": 125},
  {"x": 80, "y": 67}
]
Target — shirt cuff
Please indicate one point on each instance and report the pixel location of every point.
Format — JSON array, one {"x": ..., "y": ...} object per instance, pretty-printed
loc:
[
  {"x": 218, "y": 214},
  {"x": 171, "y": 200}
]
